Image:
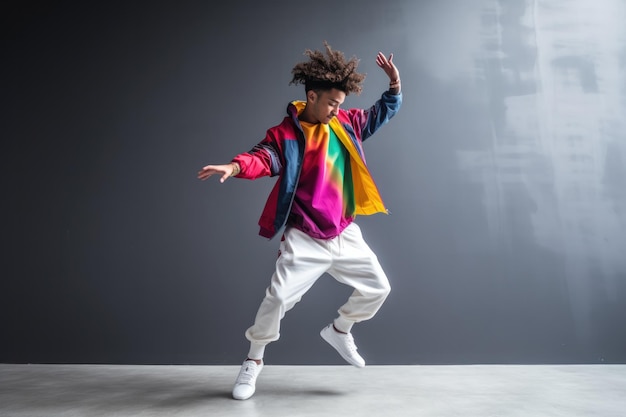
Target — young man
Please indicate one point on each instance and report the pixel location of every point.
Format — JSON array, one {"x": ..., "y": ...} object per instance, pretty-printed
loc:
[{"x": 323, "y": 184}]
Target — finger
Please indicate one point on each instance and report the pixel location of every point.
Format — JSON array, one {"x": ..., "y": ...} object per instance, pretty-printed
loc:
[
  {"x": 224, "y": 177},
  {"x": 206, "y": 172}
]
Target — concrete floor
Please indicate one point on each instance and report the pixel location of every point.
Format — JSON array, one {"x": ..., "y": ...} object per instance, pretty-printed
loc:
[{"x": 294, "y": 391}]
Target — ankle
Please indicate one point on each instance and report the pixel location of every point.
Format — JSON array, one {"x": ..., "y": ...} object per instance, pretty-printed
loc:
[
  {"x": 257, "y": 361},
  {"x": 338, "y": 331}
]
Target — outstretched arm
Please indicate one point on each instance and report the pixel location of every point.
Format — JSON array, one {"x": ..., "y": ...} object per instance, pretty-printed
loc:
[
  {"x": 391, "y": 70},
  {"x": 226, "y": 171}
]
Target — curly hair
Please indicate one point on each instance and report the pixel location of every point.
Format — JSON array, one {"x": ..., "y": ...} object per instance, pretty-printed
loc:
[{"x": 324, "y": 72}]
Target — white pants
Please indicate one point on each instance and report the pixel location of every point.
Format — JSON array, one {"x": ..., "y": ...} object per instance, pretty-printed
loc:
[{"x": 301, "y": 261}]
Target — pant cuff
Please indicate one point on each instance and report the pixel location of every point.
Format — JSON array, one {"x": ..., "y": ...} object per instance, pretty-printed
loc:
[
  {"x": 343, "y": 325},
  {"x": 256, "y": 351}
]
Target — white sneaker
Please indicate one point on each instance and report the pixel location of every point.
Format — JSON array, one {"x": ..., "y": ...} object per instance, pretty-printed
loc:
[
  {"x": 246, "y": 380},
  {"x": 344, "y": 344}
]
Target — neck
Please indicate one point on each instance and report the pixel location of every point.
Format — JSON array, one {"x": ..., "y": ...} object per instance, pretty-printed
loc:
[{"x": 305, "y": 116}]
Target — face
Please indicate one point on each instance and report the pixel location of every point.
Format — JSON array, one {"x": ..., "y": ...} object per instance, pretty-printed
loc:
[{"x": 323, "y": 106}]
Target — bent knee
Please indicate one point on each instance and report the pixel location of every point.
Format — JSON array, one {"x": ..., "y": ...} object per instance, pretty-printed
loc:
[
  {"x": 385, "y": 290},
  {"x": 380, "y": 291}
]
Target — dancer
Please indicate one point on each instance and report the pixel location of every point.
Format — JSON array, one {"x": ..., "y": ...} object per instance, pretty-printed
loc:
[{"x": 323, "y": 184}]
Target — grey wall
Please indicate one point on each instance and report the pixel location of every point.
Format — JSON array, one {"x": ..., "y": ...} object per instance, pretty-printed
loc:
[{"x": 504, "y": 173}]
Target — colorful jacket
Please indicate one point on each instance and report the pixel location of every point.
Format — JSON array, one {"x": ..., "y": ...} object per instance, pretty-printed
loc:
[{"x": 282, "y": 150}]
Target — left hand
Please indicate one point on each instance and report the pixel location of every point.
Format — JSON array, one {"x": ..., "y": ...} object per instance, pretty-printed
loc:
[{"x": 388, "y": 66}]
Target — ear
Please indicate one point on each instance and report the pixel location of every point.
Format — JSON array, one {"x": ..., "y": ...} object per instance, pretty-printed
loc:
[{"x": 311, "y": 96}]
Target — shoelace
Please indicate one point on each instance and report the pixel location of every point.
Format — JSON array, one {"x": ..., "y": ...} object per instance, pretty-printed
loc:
[
  {"x": 247, "y": 375},
  {"x": 350, "y": 343}
]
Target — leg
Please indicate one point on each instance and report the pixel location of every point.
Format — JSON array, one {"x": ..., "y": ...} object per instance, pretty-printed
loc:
[
  {"x": 301, "y": 261},
  {"x": 357, "y": 266}
]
